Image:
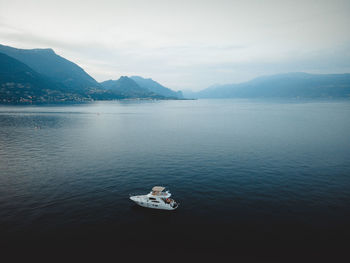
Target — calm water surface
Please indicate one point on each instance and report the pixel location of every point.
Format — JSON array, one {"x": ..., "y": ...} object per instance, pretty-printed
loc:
[{"x": 239, "y": 162}]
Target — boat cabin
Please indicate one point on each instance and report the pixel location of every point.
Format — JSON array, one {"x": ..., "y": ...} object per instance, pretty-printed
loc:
[
  {"x": 157, "y": 198},
  {"x": 158, "y": 191}
]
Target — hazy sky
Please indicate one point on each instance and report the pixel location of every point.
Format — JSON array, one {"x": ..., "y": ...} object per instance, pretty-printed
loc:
[{"x": 185, "y": 44}]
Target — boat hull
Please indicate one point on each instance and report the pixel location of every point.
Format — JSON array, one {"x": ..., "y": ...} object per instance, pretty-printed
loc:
[{"x": 144, "y": 202}]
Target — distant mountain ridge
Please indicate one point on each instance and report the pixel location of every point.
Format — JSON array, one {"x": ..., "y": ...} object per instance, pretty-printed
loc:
[
  {"x": 126, "y": 87},
  {"x": 41, "y": 76},
  {"x": 155, "y": 87},
  {"x": 136, "y": 86},
  {"x": 290, "y": 85}
]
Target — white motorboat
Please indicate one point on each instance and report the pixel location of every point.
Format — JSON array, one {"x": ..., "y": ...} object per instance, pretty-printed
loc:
[{"x": 157, "y": 199}]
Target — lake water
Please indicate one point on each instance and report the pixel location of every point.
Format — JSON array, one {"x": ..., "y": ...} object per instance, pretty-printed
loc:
[{"x": 241, "y": 170}]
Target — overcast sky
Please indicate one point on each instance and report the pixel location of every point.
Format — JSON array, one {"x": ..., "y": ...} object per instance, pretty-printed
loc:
[{"x": 185, "y": 44}]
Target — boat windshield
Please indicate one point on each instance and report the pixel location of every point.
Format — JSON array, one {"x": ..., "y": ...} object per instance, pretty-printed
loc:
[
  {"x": 158, "y": 190},
  {"x": 159, "y": 193}
]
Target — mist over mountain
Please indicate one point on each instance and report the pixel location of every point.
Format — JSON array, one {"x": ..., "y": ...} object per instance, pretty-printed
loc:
[
  {"x": 290, "y": 85},
  {"x": 40, "y": 75},
  {"x": 155, "y": 87},
  {"x": 189, "y": 94}
]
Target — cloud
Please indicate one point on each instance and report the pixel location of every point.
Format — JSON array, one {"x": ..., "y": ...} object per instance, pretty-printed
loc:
[{"x": 185, "y": 44}]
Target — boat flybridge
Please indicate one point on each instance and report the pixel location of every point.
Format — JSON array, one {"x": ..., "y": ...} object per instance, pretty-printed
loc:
[{"x": 157, "y": 199}]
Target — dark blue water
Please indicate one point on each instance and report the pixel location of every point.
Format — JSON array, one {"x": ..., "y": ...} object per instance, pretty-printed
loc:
[{"x": 257, "y": 169}]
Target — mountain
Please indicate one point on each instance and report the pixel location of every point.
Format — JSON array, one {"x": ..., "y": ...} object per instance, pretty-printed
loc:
[
  {"x": 290, "y": 85},
  {"x": 40, "y": 75},
  {"x": 126, "y": 87},
  {"x": 155, "y": 87},
  {"x": 53, "y": 66},
  {"x": 20, "y": 83}
]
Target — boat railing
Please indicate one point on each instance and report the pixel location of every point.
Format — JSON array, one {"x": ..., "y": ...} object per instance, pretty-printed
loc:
[
  {"x": 159, "y": 194},
  {"x": 136, "y": 194}
]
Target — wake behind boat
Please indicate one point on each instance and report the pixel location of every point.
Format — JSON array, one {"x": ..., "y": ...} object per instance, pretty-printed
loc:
[{"x": 157, "y": 199}]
